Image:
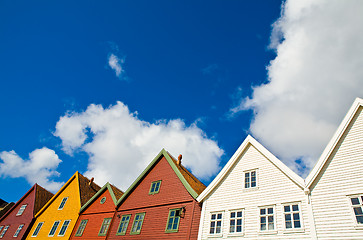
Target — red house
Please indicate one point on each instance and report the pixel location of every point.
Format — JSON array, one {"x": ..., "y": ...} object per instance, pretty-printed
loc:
[
  {"x": 95, "y": 216},
  {"x": 16, "y": 222},
  {"x": 160, "y": 204}
]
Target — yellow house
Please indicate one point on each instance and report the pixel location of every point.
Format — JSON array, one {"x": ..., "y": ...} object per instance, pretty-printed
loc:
[{"x": 58, "y": 217}]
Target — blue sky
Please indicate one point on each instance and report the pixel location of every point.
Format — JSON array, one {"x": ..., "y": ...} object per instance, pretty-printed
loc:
[{"x": 102, "y": 87}]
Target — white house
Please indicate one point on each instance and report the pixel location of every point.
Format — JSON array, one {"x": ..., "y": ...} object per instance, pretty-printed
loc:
[
  {"x": 336, "y": 181},
  {"x": 255, "y": 196}
]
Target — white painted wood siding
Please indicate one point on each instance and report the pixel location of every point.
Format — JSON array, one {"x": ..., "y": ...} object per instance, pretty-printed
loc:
[
  {"x": 342, "y": 176},
  {"x": 274, "y": 188}
]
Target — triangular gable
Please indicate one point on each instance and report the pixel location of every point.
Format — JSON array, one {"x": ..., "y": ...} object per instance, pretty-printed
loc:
[
  {"x": 162, "y": 153},
  {"x": 111, "y": 189},
  {"x": 227, "y": 168},
  {"x": 42, "y": 196},
  {"x": 87, "y": 188},
  {"x": 333, "y": 142}
]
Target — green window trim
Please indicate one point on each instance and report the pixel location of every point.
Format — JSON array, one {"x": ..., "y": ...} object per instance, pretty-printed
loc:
[
  {"x": 81, "y": 227},
  {"x": 172, "y": 225},
  {"x": 155, "y": 187},
  {"x": 104, "y": 227},
  {"x": 122, "y": 228},
  {"x": 137, "y": 224}
]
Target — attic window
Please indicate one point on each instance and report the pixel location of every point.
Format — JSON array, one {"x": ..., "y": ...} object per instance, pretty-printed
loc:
[
  {"x": 155, "y": 187},
  {"x": 251, "y": 179},
  {"x": 61, "y": 206},
  {"x": 21, "y": 210},
  {"x": 357, "y": 204},
  {"x": 103, "y": 200}
]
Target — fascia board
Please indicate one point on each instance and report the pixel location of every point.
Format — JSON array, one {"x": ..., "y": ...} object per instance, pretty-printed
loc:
[
  {"x": 333, "y": 142},
  {"x": 106, "y": 186}
]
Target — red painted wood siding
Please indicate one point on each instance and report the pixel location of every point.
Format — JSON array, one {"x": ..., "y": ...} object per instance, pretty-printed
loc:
[
  {"x": 172, "y": 195},
  {"x": 95, "y": 213},
  {"x": 14, "y": 221}
]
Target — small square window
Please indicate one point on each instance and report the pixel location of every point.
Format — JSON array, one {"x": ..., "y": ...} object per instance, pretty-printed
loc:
[
  {"x": 125, "y": 219},
  {"x": 104, "y": 227},
  {"x": 64, "y": 228},
  {"x": 81, "y": 227},
  {"x": 172, "y": 224},
  {"x": 250, "y": 179},
  {"x": 155, "y": 187},
  {"x": 54, "y": 228},
  {"x": 216, "y": 223},
  {"x": 61, "y": 206},
  {"x": 18, "y": 230},
  {"x": 37, "y": 229},
  {"x": 21, "y": 210},
  {"x": 357, "y": 207},
  {"x": 136, "y": 226}
]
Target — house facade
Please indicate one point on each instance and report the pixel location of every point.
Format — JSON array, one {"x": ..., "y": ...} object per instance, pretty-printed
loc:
[
  {"x": 255, "y": 196},
  {"x": 160, "y": 204},
  {"x": 96, "y": 215},
  {"x": 335, "y": 184},
  {"x": 57, "y": 218},
  {"x": 17, "y": 221}
]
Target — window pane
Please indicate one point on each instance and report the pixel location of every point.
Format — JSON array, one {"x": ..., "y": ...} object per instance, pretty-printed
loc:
[
  {"x": 358, "y": 211},
  {"x": 233, "y": 214},
  {"x": 287, "y": 208},
  {"x": 355, "y": 201},
  {"x": 287, "y": 217},
  {"x": 239, "y": 229},
  {"x": 270, "y": 226},
  {"x": 360, "y": 219},
  {"x": 213, "y": 216},
  {"x": 270, "y": 210},
  {"x": 288, "y": 224},
  {"x": 219, "y": 215},
  {"x": 239, "y": 214},
  {"x": 296, "y": 216},
  {"x": 297, "y": 224},
  {"x": 262, "y": 211},
  {"x": 295, "y": 208},
  {"x": 263, "y": 219}
]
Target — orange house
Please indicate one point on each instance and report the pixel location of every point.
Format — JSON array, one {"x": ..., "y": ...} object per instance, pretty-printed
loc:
[{"x": 58, "y": 217}]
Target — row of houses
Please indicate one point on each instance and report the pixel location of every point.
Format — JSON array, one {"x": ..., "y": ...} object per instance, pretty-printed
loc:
[{"x": 255, "y": 196}]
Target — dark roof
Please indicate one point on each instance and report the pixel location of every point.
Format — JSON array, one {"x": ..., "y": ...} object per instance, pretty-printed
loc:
[
  {"x": 86, "y": 190},
  {"x": 42, "y": 196},
  {"x": 118, "y": 193},
  {"x": 2, "y": 203},
  {"x": 5, "y": 209}
]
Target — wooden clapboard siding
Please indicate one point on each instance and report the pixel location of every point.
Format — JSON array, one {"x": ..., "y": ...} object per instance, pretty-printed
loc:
[
  {"x": 275, "y": 186},
  {"x": 340, "y": 175}
]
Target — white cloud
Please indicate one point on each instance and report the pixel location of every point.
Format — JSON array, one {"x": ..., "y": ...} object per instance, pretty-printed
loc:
[
  {"x": 317, "y": 74},
  {"x": 122, "y": 145},
  {"x": 116, "y": 64},
  {"x": 39, "y": 168}
]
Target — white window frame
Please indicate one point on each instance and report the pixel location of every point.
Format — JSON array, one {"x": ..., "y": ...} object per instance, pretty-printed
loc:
[
  {"x": 60, "y": 205},
  {"x": 354, "y": 217},
  {"x": 21, "y": 209},
  {"x": 40, "y": 227},
  {"x": 215, "y": 234},
  {"x": 4, "y": 231},
  {"x": 18, "y": 230},
  {"x": 55, "y": 230},
  {"x": 266, "y": 215},
  {"x": 293, "y": 228},
  {"x": 63, "y": 226},
  {"x": 250, "y": 179},
  {"x": 236, "y": 218}
]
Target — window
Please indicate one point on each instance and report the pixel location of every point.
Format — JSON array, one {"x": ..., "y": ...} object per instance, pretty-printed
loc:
[
  {"x": 173, "y": 220},
  {"x": 357, "y": 205},
  {"x": 251, "y": 179},
  {"x": 21, "y": 210},
  {"x": 37, "y": 229},
  {"x": 235, "y": 221},
  {"x": 4, "y": 231},
  {"x": 215, "y": 223},
  {"x": 104, "y": 226},
  {"x": 64, "y": 228},
  {"x": 292, "y": 216},
  {"x": 125, "y": 219},
  {"x": 81, "y": 227},
  {"x": 136, "y": 226},
  {"x": 18, "y": 230},
  {"x": 267, "y": 219},
  {"x": 103, "y": 200},
  {"x": 61, "y": 206},
  {"x": 155, "y": 187},
  {"x": 54, "y": 228},
  {"x": 1, "y": 228}
]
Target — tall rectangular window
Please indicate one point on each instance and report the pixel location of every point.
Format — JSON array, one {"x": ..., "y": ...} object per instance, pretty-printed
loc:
[
  {"x": 173, "y": 220},
  {"x": 292, "y": 216},
  {"x": 4, "y": 231},
  {"x": 64, "y": 228},
  {"x": 155, "y": 187},
  {"x": 357, "y": 205},
  {"x": 18, "y": 230},
  {"x": 251, "y": 179},
  {"x": 215, "y": 223},
  {"x": 235, "y": 221},
  {"x": 37, "y": 229},
  {"x": 21, "y": 210},
  {"x": 267, "y": 219},
  {"x": 61, "y": 205},
  {"x": 104, "y": 227},
  {"x": 81, "y": 227},
  {"x": 53, "y": 229},
  {"x": 125, "y": 219},
  {"x": 136, "y": 226},
  {"x": 1, "y": 228}
]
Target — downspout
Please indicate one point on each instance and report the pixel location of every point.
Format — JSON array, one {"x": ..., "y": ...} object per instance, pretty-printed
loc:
[
  {"x": 191, "y": 220},
  {"x": 313, "y": 234}
]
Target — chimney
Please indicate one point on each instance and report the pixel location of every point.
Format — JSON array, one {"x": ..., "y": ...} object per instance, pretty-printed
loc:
[
  {"x": 91, "y": 181},
  {"x": 179, "y": 159}
]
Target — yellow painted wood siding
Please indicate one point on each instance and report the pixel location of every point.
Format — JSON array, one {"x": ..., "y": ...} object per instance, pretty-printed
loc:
[{"x": 52, "y": 214}]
